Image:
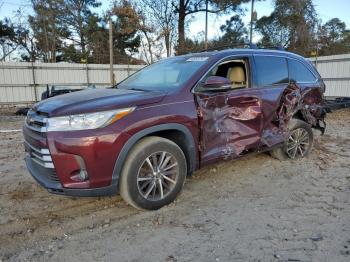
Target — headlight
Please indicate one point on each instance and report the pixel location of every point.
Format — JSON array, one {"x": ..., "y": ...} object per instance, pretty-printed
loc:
[{"x": 86, "y": 121}]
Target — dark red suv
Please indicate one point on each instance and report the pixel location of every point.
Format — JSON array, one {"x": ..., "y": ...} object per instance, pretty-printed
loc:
[{"x": 144, "y": 136}]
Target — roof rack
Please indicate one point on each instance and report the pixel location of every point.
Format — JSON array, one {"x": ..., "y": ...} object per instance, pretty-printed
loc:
[
  {"x": 241, "y": 45},
  {"x": 237, "y": 45},
  {"x": 279, "y": 47}
]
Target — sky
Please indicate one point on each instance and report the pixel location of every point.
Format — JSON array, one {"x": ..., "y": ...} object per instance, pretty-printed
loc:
[{"x": 326, "y": 10}]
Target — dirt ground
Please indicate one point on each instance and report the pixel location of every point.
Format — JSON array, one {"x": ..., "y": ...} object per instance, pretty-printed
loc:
[{"x": 253, "y": 209}]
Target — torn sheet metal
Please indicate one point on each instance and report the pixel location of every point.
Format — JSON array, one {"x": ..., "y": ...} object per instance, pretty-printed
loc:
[
  {"x": 229, "y": 127},
  {"x": 293, "y": 101},
  {"x": 233, "y": 125}
]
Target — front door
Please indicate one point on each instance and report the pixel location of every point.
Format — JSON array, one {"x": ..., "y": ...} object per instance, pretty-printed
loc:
[{"x": 230, "y": 121}]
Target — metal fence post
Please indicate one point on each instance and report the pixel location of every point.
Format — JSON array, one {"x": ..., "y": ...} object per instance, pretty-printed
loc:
[
  {"x": 111, "y": 62},
  {"x": 34, "y": 83},
  {"x": 87, "y": 75}
]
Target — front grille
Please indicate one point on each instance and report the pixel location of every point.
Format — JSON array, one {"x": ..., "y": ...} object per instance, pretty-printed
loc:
[
  {"x": 36, "y": 122},
  {"x": 42, "y": 157},
  {"x": 53, "y": 177},
  {"x": 39, "y": 155}
]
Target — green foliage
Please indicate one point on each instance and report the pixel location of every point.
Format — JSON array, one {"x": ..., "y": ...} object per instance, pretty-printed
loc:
[
  {"x": 291, "y": 25},
  {"x": 7, "y": 37},
  {"x": 48, "y": 27},
  {"x": 70, "y": 30},
  {"x": 6, "y": 31},
  {"x": 79, "y": 18},
  {"x": 334, "y": 38},
  {"x": 126, "y": 27},
  {"x": 126, "y": 40},
  {"x": 190, "y": 7},
  {"x": 235, "y": 32}
]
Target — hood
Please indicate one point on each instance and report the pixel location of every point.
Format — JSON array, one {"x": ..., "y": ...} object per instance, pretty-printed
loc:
[{"x": 93, "y": 100}]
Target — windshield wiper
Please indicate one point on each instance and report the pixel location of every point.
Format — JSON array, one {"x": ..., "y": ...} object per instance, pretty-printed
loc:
[{"x": 137, "y": 89}]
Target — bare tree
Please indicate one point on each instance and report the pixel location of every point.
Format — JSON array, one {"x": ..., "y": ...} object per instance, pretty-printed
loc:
[
  {"x": 162, "y": 18},
  {"x": 25, "y": 37},
  {"x": 185, "y": 8}
]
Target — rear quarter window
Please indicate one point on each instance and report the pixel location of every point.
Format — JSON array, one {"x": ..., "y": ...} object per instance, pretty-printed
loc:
[
  {"x": 299, "y": 73},
  {"x": 271, "y": 70}
]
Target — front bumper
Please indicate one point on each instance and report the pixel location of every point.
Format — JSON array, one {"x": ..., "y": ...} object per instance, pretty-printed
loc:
[
  {"x": 77, "y": 163},
  {"x": 44, "y": 177}
]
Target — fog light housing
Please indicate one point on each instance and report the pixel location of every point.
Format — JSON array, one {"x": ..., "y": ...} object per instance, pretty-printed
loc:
[
  {"x": 83, "y": 175},
  {"x": 80, "y": 175}
]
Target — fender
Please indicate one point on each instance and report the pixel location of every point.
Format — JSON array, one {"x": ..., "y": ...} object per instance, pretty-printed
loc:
[{"x": 147, "y": 131}]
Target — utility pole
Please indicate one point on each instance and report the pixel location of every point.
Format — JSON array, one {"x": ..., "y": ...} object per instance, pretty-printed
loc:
[
  {"x": 34, "y": 82},
  {"x": 206, "y": 26},
  {"x": 251, "y": 23},
  {"x": 111, "y": 73}
]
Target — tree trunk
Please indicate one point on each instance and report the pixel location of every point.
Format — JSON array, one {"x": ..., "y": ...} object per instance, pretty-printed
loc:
[
  {"x": 149, "y": 46},
  {"x": 167, "y": 43},
  {"x": 81, "y": 31},
  {"x": 82, "y": 43},
  {"x": 181, "y": 27}
]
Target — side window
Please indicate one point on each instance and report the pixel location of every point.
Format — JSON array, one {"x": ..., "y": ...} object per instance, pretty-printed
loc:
[
  {"x": 234, "y": 70},
  {"x": 299, "y": 73},
  {"x": 271, "y": 70}
]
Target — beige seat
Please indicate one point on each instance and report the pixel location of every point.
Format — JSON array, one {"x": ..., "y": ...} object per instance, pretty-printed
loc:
[{"x": 237, "y": 76}]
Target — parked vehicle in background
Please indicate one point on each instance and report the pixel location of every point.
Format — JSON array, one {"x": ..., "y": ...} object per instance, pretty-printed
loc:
[
  {"x": 142, "y": 137},
  {"x": 51, "y": 92},
  {"x": 61, "y": 90}
]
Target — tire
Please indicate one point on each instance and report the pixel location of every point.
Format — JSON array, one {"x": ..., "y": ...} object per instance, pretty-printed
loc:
[
  {"x": 153, "y": 174},
  {"x": 297, "y": 128}
]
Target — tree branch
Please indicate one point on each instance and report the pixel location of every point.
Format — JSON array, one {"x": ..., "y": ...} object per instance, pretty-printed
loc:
[{"x": 204, "y": 10}]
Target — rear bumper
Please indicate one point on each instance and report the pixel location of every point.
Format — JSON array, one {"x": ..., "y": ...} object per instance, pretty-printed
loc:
[{"x": 43, "y": 176}]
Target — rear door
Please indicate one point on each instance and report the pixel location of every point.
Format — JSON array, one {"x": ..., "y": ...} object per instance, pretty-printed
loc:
[
  {"x": 272, "y": 80},
  {"x": 230, "y": 121},
  {"x": 310, "y": 85}
]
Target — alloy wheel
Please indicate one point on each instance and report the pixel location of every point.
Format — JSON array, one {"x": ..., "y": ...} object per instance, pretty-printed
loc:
[
  {"x": 157, "y": 176},
  {"x": 298, "y": 143}
]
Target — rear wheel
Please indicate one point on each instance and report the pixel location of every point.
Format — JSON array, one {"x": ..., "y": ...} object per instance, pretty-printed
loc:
[
  {"x": 298, "y": 144},
  {"x": 153, "y": 174}
]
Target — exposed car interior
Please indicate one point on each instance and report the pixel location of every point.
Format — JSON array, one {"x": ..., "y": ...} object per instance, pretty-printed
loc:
[
  {"x": 237, "y": 75},
  {"x": 235, "y": 70}
]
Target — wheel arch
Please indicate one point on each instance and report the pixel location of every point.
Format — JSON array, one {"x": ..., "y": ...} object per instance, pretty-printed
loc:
[
  {"x": 177, "y": 133},
  {"x": 299, "y": 115}
]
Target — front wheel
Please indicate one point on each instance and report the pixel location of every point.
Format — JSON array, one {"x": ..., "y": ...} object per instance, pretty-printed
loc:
[
  {"x": 298, "y": 144},
  {"x": 153, "y": 174}
]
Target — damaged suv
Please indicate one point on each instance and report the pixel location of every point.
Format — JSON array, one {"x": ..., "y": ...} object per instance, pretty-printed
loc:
[{"x": 142, "y": 137}]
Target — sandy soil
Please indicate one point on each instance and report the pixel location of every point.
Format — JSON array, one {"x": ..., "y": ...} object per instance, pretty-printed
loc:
[{"x": 252, "y": 209}]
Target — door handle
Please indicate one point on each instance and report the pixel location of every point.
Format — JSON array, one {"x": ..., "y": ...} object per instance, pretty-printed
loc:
[{"x": 249, "y": 101}]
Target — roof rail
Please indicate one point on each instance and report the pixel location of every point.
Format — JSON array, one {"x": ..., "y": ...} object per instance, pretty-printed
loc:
[
  {"x": 278, "y": 47},
  {"x": 236, "y": 45},
  {"x": 242, "y": 45}
]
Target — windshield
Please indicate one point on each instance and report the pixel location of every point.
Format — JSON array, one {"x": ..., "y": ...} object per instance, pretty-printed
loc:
[{"x": 165, "y": 75}]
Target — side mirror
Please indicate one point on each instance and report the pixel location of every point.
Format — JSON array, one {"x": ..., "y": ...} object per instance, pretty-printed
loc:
[{"x": 217, "y": 83}]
